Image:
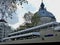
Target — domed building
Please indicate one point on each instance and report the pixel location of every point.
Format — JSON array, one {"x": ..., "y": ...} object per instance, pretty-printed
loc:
[
  {"x": 45, "y": 16},
  {"x": 48, "y": 31}
]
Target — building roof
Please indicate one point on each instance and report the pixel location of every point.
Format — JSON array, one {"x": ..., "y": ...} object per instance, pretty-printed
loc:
[{"x": 44, "y": 13}]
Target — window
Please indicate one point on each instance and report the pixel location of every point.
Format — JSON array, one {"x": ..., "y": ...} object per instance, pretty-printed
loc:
[
  {"x": 49, "y": 35},
  {"x": 58, "y": 30},
  {"x": 0, "y": 29},
  {"x": 12, "y": 38},
  {"x": 0, "y": 25},
  {"x": 8, "y": 35}
]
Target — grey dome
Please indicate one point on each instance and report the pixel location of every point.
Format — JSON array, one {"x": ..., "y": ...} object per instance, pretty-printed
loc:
[{"x": 44, "y": 13}]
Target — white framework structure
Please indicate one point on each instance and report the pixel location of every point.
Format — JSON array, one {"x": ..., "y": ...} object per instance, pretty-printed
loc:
[{"x": 30, "y": 32}]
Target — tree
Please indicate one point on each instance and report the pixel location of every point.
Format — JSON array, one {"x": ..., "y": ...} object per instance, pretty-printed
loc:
[
  {"x": 34, "y": 22},
  {"x": 7, "y": 7},
  {"x": 35, "y": 19},
  {"x": 28, "y": 16},
  {"x": 29, "y": 25},
  {"x": 21, "y": 27}
]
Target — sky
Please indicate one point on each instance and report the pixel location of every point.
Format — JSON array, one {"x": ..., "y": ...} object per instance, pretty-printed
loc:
[{"x": 33, "y": 6}]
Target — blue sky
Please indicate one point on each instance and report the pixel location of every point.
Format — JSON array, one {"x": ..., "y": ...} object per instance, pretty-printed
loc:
[{"x": 33, "y": 6}]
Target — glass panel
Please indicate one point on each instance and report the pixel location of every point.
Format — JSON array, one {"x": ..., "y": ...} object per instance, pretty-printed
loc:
[{"x": 49, "y": 35}]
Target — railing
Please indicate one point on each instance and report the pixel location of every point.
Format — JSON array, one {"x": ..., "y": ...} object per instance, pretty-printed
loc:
[{"x": 23, "y": 35}]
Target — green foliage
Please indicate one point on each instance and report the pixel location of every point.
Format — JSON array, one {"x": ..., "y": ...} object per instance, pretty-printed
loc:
[
  {"x": 34, "y": 22},
  {"x": 22, "y": 27},
  {"x": 27, "y": 25},
  {"x": 7, "y": 7},
  {"x": 35, "y": 19}
]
